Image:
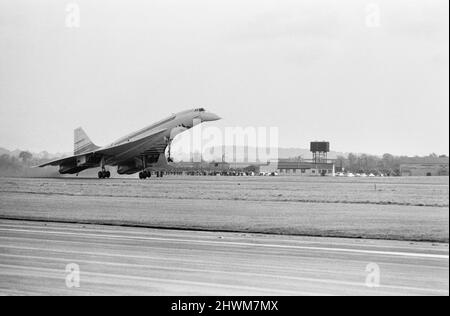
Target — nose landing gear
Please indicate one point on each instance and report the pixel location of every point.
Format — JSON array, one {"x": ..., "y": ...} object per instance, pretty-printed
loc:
[
  {"x": 169, "y": 158},
  {"x": 169, "y": 150}
]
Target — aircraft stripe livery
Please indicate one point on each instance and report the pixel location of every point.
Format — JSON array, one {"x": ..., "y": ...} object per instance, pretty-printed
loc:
[{"x": 142, "y": 151}]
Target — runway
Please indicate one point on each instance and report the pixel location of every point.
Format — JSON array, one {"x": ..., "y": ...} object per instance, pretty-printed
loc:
[{"x": 137, "y": 261}]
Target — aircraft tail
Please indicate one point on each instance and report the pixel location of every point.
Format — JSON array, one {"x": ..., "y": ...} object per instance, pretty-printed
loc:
[{"x": 82, "y": 143}]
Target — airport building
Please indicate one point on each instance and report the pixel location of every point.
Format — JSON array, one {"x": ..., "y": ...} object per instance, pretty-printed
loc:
[
  {"x": 299, "y": 167},
  {"x": 319, "y": 165},
  {"x": 421, "y": 167},
  {"x": 306, "y": 168}
]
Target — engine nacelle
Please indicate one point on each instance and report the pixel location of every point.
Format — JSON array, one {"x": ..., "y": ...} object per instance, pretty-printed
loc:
[
  {"x": 155, "y": 160},
  {"x": 88, "y": 161},
  {"x": 68, "y": 169},
  {"x": 82, "y": 160}
]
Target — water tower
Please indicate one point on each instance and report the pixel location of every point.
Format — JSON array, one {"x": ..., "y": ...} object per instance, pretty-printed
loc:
[{"x": 320, "y": 151}]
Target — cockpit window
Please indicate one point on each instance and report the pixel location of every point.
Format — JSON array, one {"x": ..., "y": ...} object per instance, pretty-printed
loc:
[{"x": 200, "y": 110}]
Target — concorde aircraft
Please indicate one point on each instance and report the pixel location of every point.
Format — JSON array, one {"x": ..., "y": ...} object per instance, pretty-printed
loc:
[{"x": 142, "y": 151}]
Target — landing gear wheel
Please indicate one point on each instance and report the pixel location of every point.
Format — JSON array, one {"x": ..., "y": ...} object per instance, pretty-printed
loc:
[
  {"x": 103, "y": 174},
  {"x": 145, "y": 174}
]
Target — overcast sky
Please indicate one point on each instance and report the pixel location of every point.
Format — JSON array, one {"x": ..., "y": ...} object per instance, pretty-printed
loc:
[{"x": 369, "y": 76}]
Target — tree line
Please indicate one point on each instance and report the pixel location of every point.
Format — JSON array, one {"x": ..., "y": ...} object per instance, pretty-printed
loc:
[
  {"x": 387, "y": 164},
  {"x": 25, "y": 159}
]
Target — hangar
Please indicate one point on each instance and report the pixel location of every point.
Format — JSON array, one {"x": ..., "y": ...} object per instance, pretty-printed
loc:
[{"x": 421, "y": 167}]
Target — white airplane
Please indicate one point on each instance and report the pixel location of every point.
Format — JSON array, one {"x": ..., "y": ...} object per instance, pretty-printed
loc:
[{"x": 142, "y": 151}]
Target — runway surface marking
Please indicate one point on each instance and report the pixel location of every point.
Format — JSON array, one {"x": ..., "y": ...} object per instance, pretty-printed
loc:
[
  {"x": 255, "y": 237},
  {"x": 181, "y": 260},
  {"x": 374, "y": 252},
  {"x": 114, "y": 261},
  {"x": 327, "y": 281},
  {"x": 142, "y": 278}
]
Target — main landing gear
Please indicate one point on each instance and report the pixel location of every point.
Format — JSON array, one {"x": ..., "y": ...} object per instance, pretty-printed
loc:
[
  {"x": 104, "y": 174},
  {"x": 145, "y": 174}
]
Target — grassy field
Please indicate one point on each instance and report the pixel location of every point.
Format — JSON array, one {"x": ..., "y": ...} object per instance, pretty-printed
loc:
[{"x": 387, "y": 208}]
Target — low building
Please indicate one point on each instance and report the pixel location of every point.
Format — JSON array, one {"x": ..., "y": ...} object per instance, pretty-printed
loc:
[
  {"x": 270, "y": 167},
  {"x": 219, "y": 166},
  {"x": 306, "y": 167},
  {"x": 421, "y": 167},
  {"x": 296, "y": 167}
]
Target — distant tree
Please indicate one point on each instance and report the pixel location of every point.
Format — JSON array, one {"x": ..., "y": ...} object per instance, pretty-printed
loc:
[
  {"x": 341, "y": 163},
  {"x": 4, "y": 159},
  {"x": 25, "y": 156},
  {"x": 372, "y": 163},
  {"x": 388, "y": 161},
  {"x": 353, "y": 162},
  {"x": 9, "y": 163}
]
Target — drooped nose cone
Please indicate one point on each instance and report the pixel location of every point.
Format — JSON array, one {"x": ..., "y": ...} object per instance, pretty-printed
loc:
[{"x": 209, "y": 117}]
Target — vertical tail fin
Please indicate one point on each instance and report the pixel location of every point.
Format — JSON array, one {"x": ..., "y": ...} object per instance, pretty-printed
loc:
[{"x": 82, "y": 143}]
